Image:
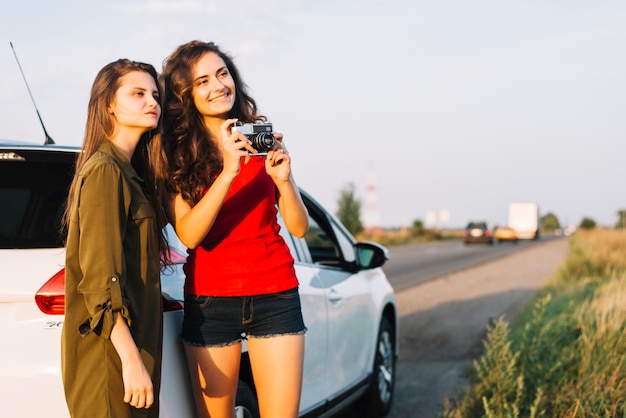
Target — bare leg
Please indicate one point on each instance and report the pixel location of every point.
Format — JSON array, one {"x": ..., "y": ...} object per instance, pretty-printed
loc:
[
  {"x": 214, "y": 375},
  {"x": 277, "y": 364}
]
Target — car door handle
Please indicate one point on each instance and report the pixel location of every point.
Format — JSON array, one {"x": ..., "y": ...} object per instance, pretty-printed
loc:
[{"x": 334, "y": 296}]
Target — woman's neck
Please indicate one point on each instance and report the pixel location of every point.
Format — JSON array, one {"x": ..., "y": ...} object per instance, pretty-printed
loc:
[{"x": 126, "y": 142}]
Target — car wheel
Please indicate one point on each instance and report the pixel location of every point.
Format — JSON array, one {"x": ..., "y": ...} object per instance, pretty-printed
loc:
[
  {"x": 377, "y": 401},
  {"x": 246, "y": 405}
]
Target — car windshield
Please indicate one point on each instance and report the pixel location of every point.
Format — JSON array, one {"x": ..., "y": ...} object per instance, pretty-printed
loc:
[
  {"x": 477, "y": 225},
  {"x": 33, "y": 190}
]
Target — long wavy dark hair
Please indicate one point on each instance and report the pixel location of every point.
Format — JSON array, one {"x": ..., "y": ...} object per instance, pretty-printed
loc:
[
  {"x": 190, "y": 160},
  {"x": 100, "y": 127}
]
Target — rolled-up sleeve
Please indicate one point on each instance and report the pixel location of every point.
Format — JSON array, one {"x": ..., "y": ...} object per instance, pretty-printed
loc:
[{"x": 103, "y": 216}]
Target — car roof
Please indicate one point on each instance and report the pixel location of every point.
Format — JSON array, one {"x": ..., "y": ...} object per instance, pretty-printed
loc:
[{"x": 9, "y": 144}]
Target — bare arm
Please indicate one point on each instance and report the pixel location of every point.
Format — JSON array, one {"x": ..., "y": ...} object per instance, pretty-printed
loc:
[
  {"x": 292, "y": 208},
  {"x": 138, "y": 389},
  {"x": 290, "y": 204},
  {"x": 192, "y": 224}
]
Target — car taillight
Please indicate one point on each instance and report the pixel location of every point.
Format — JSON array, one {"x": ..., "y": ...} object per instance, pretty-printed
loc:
[
  {"x": 176, "y": 256},
  {"x": 170, "y": 305},
  {"x": 51, "y": 297}
]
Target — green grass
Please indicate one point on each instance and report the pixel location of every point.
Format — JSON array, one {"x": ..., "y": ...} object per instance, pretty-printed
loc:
[{"x": 565, "y": 355}]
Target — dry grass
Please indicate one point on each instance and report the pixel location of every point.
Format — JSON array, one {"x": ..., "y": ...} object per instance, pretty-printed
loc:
[{"x": 566, "y": 355}]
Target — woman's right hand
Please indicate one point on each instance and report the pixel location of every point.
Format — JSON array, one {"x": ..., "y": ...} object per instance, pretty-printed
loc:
[
  {"x": 138, "y": 388},
  {"x": 234, "y": 146}
]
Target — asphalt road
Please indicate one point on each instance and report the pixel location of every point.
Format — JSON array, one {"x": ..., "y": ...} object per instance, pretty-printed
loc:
[
  {"x": 444, "y": 309},
  {"x": 409, "y": 265}
]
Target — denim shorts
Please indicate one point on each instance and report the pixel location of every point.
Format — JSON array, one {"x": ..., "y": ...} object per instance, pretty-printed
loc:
[{"x": 216, "y": 321}]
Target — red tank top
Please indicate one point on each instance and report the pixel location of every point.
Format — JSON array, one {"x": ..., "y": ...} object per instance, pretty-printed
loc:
[{"x": 243, "y": 254}]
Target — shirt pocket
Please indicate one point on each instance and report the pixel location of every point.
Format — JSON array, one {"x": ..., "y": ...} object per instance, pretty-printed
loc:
[
  {"x": 141, "y": 210},
  {"x": 144, "y": 226}
]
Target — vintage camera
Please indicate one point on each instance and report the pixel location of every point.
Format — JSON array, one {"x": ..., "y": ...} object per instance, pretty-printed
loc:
[{"x": 260, "y": 134}]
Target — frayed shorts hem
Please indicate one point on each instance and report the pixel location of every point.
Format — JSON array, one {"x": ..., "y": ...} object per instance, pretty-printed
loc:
[
  {"x": 239, "y": 340},
  {"x": 226, "y": 344}
]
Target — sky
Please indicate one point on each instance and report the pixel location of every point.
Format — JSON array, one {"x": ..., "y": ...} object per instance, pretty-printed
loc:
[{"x": 443, "y": 111}]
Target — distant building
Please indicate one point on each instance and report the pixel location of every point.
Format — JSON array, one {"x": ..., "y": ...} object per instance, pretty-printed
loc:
[{"x": 437, "y": 219}]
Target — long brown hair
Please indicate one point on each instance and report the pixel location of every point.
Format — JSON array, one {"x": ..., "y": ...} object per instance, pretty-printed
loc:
[
  {"x": 100, "y": 127},
  {"x": 190, "y": 159}
]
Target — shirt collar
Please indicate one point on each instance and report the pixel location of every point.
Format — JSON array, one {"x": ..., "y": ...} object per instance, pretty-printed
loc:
[{"x": 109, "y": 148}]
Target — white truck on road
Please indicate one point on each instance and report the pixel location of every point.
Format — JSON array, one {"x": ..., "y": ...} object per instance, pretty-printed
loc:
[{"x": 524, "y": 219}]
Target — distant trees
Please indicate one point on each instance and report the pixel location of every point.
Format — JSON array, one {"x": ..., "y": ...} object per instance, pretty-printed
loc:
[
  {"x": 349, "y": 209},
  {"x": 621, "y": 219},
  {"x": 587, "y": 223},
  {"x": 417, "y": 228},
  {"x": 549, "y": 222},
  {"x": 420, "y": 232}
]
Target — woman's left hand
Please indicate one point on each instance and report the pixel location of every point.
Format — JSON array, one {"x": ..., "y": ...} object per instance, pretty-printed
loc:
[{"x": 277, "y": 161}]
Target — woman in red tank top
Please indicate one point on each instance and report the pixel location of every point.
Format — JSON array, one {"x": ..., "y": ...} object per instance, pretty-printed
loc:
[{"x": 223, "y": 196}]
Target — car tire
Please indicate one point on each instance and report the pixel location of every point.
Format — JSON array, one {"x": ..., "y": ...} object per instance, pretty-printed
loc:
[
  {"x": 246, "y": 405},
  {"x": 376, "y": 403}
]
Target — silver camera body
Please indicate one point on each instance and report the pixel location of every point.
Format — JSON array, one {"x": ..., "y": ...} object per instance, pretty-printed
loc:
[{"x": 261, "y": 135}]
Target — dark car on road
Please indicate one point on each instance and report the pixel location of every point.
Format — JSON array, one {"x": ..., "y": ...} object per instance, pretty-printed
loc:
[{"x": 477, "y": 232}]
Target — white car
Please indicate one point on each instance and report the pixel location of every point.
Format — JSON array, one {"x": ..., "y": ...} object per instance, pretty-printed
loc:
[{"x": 349, "y": 306}]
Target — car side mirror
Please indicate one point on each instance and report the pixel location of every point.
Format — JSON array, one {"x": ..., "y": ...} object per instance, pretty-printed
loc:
[{"x": 370, "y": 255}]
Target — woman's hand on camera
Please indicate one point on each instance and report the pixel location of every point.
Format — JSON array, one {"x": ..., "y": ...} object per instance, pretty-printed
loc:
[
  {"x": 278, "y": 161},
  {"x": 234, "y": 146}
]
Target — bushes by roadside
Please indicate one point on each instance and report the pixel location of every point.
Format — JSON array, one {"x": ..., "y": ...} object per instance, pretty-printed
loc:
[
  {"x": 565, "y": 355},
  {"x": 405, "y": 236}
]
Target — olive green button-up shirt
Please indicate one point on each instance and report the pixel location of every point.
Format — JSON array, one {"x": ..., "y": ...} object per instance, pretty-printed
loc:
[{"x": 112, "y": 264}]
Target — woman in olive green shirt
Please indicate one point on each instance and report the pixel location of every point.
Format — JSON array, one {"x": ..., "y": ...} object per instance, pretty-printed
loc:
[{"x": 112, "y": 332}]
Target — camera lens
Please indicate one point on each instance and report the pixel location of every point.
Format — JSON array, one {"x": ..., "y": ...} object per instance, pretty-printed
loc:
[{"x": 263, "y": 141}]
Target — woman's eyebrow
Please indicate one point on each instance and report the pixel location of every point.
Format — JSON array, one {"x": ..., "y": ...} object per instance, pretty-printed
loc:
[
  {"x": 206, "y": 75},
  {"x": 200, "y": 78}
]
